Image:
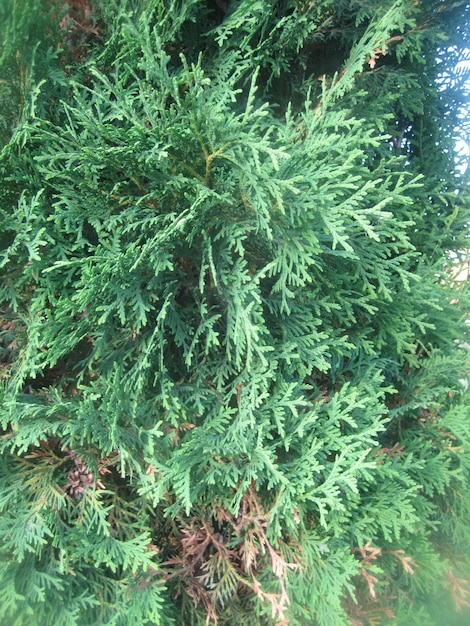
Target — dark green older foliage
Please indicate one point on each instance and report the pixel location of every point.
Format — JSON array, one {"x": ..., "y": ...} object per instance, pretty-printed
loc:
[{"x": 234, "y": 385}]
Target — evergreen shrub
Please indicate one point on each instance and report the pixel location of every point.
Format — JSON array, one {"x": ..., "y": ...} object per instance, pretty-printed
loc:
[{"x": 231, "y": 339}]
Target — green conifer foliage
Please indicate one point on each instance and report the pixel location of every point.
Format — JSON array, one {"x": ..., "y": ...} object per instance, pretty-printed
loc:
[{"x": 231, "y": 339}]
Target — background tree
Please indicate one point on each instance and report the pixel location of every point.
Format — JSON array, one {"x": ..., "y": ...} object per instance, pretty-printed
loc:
[{"x": 234, "y": 380}]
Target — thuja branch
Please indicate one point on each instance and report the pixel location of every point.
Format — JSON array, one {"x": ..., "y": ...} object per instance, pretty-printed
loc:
[{"x": 209, "y": 159}]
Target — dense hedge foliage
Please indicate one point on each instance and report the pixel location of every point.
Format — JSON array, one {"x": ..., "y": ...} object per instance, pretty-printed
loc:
[{"x": 231, "y": 339}]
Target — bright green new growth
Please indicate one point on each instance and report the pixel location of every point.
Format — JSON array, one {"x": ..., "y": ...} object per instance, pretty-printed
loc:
[{"x": 238, "y": 394}]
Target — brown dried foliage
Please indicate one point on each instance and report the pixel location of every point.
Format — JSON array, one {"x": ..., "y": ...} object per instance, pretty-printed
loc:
[
  {"x": 368, "y": 555},
  {"x": 371, "y": 609},
  {"x": 459, "y": 589},
  {"x": 219, "y": 558},
  {"x": 80, "y": 27},
  {"x": 9, "y": 341}
]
